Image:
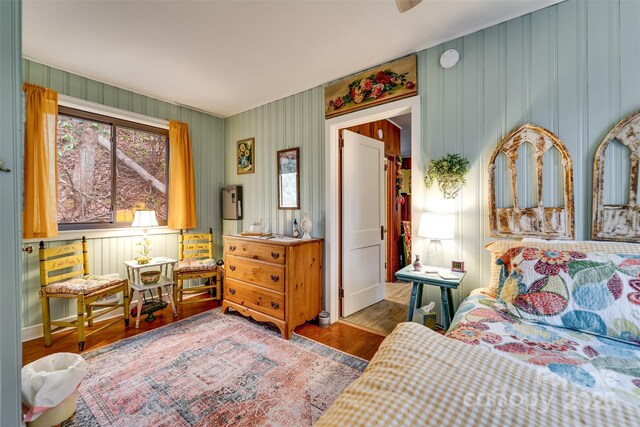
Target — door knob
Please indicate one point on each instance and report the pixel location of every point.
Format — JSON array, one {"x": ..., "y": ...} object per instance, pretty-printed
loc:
[{"x": 2, "y": 168}]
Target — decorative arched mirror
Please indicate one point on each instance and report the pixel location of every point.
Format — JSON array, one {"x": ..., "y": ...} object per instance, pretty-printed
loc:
[
  {"x": 615, "y": 183},
  {"x": 529, "y": 215}
]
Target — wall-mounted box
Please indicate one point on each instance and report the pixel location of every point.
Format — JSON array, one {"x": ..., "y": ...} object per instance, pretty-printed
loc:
[{"x": 232, "y": 202}]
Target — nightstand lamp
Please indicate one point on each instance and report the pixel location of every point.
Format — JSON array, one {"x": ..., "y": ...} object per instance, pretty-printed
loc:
[
  {"x": 144, "y": 218},
  {"x": 436, "y": 227}
]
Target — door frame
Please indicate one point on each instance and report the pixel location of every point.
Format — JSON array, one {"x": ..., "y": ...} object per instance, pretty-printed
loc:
[
  {"x": 332, "y": 153},
  {"x": 11, "y": 214}
]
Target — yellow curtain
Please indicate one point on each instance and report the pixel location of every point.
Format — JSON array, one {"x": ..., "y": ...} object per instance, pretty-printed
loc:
[
  {"x": 182, "y": 189},
  {"x": 39, "y": 215}
]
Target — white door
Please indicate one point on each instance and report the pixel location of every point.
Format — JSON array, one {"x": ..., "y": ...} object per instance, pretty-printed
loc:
[{"x": 363, "y": 219}]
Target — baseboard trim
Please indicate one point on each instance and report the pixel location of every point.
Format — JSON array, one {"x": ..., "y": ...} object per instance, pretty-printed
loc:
[{"x": 33, "y": 332}]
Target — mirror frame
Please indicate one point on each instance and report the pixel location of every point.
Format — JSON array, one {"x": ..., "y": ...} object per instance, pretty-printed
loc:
[{"x": 297, "y": 155}]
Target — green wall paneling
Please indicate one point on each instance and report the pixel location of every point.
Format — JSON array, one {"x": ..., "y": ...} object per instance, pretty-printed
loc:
[{"x": 571, "y": 68}]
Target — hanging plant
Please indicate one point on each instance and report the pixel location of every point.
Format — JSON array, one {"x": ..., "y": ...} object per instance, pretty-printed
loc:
[{"x": 449, "y": 171}]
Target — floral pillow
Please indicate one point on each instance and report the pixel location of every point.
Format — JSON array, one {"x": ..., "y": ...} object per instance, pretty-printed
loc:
[{"x": 597, "y": 293}]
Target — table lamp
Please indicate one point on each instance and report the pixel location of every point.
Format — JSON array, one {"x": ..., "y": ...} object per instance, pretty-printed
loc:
[
  {"x": 144, "y": 218},
  {"x": 436, "y": 227}
]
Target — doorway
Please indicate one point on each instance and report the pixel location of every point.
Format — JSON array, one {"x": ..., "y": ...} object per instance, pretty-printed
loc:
[
  {"x": 332, "y": 151},
  {"x": 375, "y": 202}
]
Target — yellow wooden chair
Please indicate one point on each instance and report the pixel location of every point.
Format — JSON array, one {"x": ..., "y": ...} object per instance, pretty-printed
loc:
[
  {"x": 60, "y": 278},
  {"x": 195, "y": 261}
]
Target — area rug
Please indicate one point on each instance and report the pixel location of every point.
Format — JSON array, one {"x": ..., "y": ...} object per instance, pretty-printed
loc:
[{"x": 209, "y": 370}]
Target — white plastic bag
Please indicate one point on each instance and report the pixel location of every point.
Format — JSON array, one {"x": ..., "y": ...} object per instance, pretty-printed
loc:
[{"x": 50, "y": 380}]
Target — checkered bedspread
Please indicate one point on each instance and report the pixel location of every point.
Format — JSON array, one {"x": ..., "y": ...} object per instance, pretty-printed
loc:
[{"x": 419, "y": 378}]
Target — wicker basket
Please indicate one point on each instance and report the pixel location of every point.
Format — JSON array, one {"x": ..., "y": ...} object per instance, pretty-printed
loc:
[{"x": 150, "y": 277}]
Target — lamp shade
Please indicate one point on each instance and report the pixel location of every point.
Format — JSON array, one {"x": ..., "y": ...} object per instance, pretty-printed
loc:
[
  {"x": 436, "y": 226},
  {"x": 144, "y": 218}
]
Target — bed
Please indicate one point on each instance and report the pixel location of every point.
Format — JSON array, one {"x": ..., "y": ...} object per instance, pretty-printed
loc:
[
  {"x": 504, "y": 361},
  {"x": 419, "y": 377}
]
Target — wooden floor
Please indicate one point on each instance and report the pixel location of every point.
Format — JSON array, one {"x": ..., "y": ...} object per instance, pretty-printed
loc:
[
  {"x": 339, "y": 336},
  {"x": 382, "y": 317}
]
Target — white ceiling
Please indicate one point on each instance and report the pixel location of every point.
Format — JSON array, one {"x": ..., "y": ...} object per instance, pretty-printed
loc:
[{"x": 225, "y": 57}]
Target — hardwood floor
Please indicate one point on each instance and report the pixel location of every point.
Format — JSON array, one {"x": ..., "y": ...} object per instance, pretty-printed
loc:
[
  {"x": 343, "y": 337},
  {"x": 383, "y": 316},
  {"x": 340, "y": 336}
]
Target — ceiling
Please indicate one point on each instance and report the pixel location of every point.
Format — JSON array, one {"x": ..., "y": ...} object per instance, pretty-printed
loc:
[{"x": 225, "y": 57}]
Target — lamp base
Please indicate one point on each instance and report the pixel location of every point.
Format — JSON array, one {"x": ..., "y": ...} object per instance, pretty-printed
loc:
[{"x": 435, "y": 255}]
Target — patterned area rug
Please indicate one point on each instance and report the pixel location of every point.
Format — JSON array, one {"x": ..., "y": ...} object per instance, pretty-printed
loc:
[{"x": 212, "y": 369}]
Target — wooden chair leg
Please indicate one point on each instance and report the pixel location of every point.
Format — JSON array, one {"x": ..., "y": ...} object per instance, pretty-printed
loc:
[
  {"x": 219, "y": 285},
  {"x": 81, "y": 318},
  {"x": 90, "y": 315},
  {"x": 46, "y": 319},
  {"x": 178, "y": 292},
  {"x": 125, "y": 304}
]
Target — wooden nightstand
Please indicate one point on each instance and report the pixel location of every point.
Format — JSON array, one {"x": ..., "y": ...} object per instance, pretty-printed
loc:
[{"x": 420, "y": 278}]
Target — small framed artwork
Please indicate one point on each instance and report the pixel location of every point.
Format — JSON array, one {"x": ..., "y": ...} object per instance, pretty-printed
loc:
[
  {"x": 246, "y": 156},
  {"x": 457, "y": 266},
  {"x": 289, "y": 178}
]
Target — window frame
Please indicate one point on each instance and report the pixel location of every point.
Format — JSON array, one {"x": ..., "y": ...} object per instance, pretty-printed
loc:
[{"x": 114, "y": 122}]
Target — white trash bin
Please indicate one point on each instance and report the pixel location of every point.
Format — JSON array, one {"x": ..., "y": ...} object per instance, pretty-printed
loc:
[{"x": 49, "y": 388}]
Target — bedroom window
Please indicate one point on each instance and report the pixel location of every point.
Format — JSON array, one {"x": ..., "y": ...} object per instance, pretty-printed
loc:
[{"x": 107, "y": 168}]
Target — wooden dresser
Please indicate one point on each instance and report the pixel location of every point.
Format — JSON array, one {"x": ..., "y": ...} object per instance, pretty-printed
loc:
[{"x": 273, "y": 281}]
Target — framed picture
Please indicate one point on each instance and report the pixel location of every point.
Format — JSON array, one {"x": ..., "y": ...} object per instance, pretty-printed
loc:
[
  {"x": 387, "y": 82},
  {"x": 457, "y": 266},
  {"x": 289, "y": 178},
  {"x": 246, "y": 151}
]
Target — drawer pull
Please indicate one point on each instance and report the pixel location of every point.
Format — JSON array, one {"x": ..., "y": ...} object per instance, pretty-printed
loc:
[
  {"x": 232, "y": 248},
  {"x": 275, "y": 305},
  {"x": 275, "y": 255},
  {"x": 275, "y": 277},
  {"x": 232, "y": 291},
  {"x": 232, "y": 267}
]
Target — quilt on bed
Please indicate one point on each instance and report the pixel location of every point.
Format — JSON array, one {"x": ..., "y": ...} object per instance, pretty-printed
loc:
[
  {"x": 419, "y": 378},
  {"x": 603, "y": 365}
]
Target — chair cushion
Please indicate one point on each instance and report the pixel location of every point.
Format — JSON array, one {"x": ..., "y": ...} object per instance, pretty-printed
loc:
[
  {"x": 85, "y": 285},
  {"x": 192, "y": 265}
]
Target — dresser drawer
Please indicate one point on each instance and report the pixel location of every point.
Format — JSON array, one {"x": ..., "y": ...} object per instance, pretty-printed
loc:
[
  {"x": 259, "y": 251},
  {"x": 262, "y": 300},
  {"x": 259, "y": 273}
]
